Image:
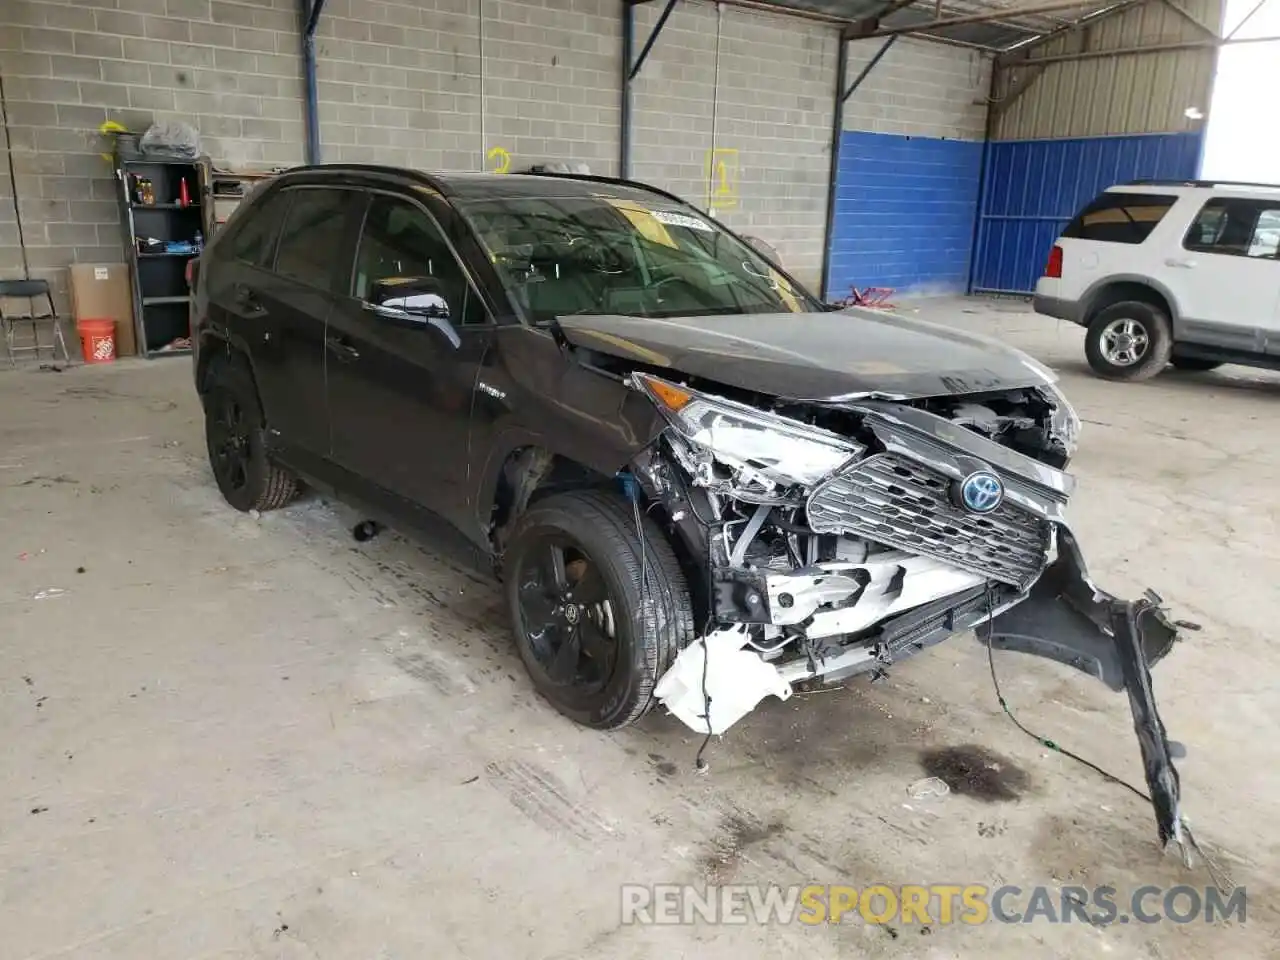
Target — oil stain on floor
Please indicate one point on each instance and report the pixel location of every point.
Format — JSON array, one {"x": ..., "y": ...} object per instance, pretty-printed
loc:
[{"x": 977, "y": 772}]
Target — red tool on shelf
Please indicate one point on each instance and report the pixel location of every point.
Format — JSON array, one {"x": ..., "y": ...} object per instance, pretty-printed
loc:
[{"x": 184, "y": 195}]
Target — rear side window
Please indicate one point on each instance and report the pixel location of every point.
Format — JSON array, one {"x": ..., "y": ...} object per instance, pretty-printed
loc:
[
  {"x": 254, "y": 240},
  {"x": 1237, "y": 228},
  {"x": 312, "y": 241},
  {"x": 1120, "y": 217}
]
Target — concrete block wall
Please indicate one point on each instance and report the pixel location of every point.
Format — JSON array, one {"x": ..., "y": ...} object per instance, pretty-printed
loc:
[
  {"x": 729, "y": 98},
  {"x": 552, "y": 82},
  {"x": 674, "y": 99},
  {"x": 733, "y": 112},
  {"x": 919, "y": 89},
  {"x": 470, "y": 84},
  {"x": 400, "y": 83},
  {"x": 231, "y": 68}
]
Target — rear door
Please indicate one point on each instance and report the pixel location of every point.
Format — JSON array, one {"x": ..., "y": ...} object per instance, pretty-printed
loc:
[
  {"x": 1226, "y": 276},
  {"x": 315, "y": 240},
  {"x": 401, "y": 386}
]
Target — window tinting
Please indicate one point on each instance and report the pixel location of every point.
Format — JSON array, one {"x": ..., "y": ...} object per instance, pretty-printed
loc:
[
  {"x": 312, "y": 239},
  {"x": 1238, "y": 228},
  {"x": 256, "y": 230},
  {"x": 402, "y": 243},
  {"x": 1120, "y": 217}
]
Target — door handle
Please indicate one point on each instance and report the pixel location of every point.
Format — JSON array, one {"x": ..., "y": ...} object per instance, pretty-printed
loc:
[
  {"x": 245, "y": 301},
  {"x": 1177, "y": 262},
  {"x": 341, "y": 349}
]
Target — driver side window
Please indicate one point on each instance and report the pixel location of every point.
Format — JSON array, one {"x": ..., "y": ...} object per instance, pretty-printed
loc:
[{"x": 401, "y": 244}]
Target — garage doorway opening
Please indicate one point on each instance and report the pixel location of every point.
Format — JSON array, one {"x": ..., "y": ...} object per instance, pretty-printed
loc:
[{"x": 1242, "y": 142}]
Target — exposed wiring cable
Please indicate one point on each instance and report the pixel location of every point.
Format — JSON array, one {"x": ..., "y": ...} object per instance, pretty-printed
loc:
[{"x": 699, "y": 763}]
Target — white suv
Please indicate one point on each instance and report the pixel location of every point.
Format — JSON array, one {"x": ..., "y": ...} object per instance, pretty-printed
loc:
[{"x": 1181, "y": 272}]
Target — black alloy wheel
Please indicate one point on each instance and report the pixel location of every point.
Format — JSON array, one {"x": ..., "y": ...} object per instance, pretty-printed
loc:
[
  {"x": 228, "y": 436},
  {"x": 598, "y": 603},
  {"x": 566, "y": 614},
  {"x": 236, "y": 439}
]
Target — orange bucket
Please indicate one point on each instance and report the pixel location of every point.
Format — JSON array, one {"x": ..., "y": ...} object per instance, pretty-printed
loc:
[{"x": 97, "y": 340}]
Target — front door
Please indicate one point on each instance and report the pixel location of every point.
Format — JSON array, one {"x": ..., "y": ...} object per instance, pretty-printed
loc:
[
  {"x": 402, "y": 363},
  {"x": 1226, "y": 277}
]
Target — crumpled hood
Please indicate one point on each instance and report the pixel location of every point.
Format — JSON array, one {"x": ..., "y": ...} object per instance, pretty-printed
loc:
[{"x": 814, "y": 356}]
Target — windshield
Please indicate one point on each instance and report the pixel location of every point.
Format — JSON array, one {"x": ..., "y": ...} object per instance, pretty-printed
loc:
[{"x": 583, "y": 255}]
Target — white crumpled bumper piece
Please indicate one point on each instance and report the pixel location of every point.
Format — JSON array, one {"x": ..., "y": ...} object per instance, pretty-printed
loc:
[{"x": 714, "y": 683}]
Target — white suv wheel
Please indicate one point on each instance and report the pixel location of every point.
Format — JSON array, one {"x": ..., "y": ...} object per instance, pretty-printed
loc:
[
  {"x": 1124, "y": 341},
  {"x": 1130, "y": 340}
]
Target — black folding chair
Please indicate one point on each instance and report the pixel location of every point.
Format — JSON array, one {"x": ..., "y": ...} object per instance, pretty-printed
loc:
[{"x": 30, "y": 290}]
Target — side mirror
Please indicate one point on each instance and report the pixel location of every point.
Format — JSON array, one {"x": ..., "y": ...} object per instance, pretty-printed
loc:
[
  {"x": 414, "y": 301},
  {"x": 417, "y": 297}
]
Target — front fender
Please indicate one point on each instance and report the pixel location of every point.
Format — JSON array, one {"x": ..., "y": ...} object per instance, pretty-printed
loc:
[{"x": 1066, "y": 618}]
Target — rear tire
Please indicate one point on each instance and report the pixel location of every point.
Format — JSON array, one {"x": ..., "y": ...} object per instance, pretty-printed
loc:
[
  {"x": 1131, "y": 340},
  {"x": 1195, "y": 364},
  {"x": 624, "y": 647},
  {"x": 236, "y": 439}
]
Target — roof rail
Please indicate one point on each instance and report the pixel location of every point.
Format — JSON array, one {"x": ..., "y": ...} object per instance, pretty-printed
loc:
[{"x": 1199, "y": 183}]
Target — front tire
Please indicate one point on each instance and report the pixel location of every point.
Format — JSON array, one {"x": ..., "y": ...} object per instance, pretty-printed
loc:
[
  {"x": 1131, "y": 340},
  {"x": 236, "y": 440},
  {"x": 572, "y": 575}
]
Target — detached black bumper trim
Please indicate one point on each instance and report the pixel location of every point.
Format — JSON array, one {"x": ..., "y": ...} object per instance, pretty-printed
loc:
[{"x": 1068, "y": 619}]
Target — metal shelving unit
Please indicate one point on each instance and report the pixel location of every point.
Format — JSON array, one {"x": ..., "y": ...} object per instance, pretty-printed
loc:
[
  {"x": 227, "y": 188},
  {"x": 161, "y": 296}
]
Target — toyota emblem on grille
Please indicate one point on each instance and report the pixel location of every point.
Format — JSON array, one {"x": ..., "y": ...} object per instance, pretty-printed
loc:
[{"x": 981, "y": 492}]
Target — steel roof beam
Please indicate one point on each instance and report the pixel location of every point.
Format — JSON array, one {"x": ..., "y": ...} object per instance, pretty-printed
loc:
[
  {"x": 1154, "y": 48},
  {"x": 1191, "y": 18},
  {"x": 1020, "y": 50},
  {"x": 1004, "y": 15}
]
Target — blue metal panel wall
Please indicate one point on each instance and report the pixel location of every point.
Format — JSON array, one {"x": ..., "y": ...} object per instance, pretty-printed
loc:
[
  {"x": 904, "y": 213},
  {"x": 1034, "y": 187}
]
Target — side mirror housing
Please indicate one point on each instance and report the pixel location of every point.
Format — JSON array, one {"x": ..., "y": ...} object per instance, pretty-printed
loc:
[
  {"x": 418, "y": 297},
  {"x": 414, "y": 301}
]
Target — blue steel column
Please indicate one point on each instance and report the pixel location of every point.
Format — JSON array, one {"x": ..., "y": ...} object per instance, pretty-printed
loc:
[
  {"x": 837, "y": 130},
  {"x": 310, "y": 11},
  {"x": 629, "y": 71},
  {"x": 624, "y": 129}
]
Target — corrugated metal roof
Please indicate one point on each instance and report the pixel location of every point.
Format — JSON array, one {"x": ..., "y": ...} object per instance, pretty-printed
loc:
[{"x": 1146, "y": 93}]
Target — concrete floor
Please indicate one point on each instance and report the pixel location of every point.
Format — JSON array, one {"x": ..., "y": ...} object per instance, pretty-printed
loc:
[{"x": 239, "y": 737}]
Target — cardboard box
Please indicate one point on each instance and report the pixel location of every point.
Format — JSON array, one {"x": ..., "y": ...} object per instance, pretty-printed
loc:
[{"x": 102, "y": 291}]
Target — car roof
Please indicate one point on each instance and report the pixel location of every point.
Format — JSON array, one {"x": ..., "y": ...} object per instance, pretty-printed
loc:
[
  {"x": 1180, "y": 187},
  {"x": 491, "y": 186}
]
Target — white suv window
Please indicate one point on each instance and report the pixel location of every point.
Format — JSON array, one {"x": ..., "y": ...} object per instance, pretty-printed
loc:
[
  {"x": 1116, "y": 217},
  {"x": 1237, "y": 228}
]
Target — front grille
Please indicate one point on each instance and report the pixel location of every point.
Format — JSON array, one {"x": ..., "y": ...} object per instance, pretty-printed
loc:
[{"x": 897, "y": 502}]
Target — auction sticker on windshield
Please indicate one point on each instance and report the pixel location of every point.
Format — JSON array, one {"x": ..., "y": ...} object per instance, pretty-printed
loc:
[{"x": 673, "y": 219}]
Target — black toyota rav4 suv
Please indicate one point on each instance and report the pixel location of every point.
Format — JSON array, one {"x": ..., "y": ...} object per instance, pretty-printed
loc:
[{"x": 698, "y": 484}]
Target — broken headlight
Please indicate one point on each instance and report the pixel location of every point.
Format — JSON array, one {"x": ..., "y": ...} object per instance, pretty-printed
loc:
[
  {"x": 763, "y": 449},
  {"x": 1064, "y": 424}
]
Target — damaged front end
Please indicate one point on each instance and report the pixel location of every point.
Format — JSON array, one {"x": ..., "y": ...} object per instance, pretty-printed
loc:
[{"x": 839, "y": 537}]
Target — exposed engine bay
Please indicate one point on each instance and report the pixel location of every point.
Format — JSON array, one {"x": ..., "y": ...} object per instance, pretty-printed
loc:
[{"x": 842, "y": 536}]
